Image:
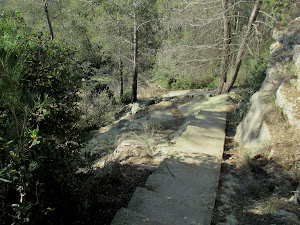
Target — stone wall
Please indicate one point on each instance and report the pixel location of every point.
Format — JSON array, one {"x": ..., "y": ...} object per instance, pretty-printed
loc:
[{"x": 253, "y": 131}]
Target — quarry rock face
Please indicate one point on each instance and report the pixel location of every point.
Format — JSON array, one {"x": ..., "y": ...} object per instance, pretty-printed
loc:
[{"x": 253, "y": 131}]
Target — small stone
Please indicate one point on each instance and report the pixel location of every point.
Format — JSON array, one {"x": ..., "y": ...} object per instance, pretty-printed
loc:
[{"x": 124, "y": 143}]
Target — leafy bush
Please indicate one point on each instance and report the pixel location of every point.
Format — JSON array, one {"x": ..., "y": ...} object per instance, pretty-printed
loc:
[
  {"x": 38, "y": 72},
  {"x": 127, "y": 96},
  {"x": 97, "y": 108},
  {"x": 38, "y": 97},
  {"x": 282, "y": 11},
  {"x": 182, "y": 82}
]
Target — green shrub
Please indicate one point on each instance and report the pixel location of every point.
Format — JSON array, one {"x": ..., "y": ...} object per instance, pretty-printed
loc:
[
  {"x": 127, "y": 96},
  {"x": 282, "y": 11},
  {"x": 214, "y": 83},
  {"x": 38, "y": 96},
  {"x": 97, "y": 108}
]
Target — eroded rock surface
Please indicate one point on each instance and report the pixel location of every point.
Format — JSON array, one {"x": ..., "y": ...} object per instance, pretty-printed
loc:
[{"x": 253, "y": 131}]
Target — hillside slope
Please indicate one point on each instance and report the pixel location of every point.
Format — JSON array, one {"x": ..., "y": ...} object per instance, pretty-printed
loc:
[{"x": 261, "y": 163}]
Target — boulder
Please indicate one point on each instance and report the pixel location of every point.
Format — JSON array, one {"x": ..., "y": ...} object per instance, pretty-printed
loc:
[{"x": 253, "y": 132}]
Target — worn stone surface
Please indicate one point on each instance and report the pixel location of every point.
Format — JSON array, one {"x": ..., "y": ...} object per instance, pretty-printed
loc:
[
  {"x": 168, "y": 185},
  {"x": 183, "y": 189},
  {"x": 297, "y": 65},
  {"x": 165, "y": 209},
  {"x": 128, "y": 217},
  {"x": 289, "y": 102},
  {"x": 253, "y": 131}
]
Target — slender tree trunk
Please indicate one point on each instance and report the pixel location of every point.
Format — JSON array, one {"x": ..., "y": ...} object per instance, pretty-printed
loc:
[
  {"x": 48, "y": 19},
  {"x": 135, "y": 60},
  {"x": 121, "y": 69},
  {"x": 242, "y": 47},
  {"x": 121, "y": 77},
  {"x": 226, "y": 47}
]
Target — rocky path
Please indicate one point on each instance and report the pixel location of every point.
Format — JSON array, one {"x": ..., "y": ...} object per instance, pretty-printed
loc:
[{"x": 183, "y": 189}]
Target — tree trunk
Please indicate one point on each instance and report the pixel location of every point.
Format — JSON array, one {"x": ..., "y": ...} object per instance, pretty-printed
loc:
[
  {"x": 121, "y": 69},
  {"x": 135, "y": 60},
  {"x": 121, "y": 78},
  {"x": 48, "y": 19},
  {"x": 226, "y": 47},
  {"x": 242, "y": 47}
]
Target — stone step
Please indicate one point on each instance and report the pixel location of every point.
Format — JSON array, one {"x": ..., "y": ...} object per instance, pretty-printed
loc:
[
  {"x": 204, "y": 114},
  {"x": 214, "y": 104},
  {"x": 182, "y": 154},
  {"x": 214, "y": 124},
  {"x": 205, "y": 174},
  {"x": 195, "y": 158},
  {"x": 182, "y": 191},
  {"x": 203, "y": 194},
  {"x": 194, "y": 131},
  {"x": 128, "y": 217},
  {"x": 195, "y": 147},
  {"x": 165, "y": 209}
]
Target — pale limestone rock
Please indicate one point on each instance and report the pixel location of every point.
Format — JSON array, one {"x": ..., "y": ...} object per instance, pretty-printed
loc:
[
  {"x": 253, "y": 132},
  {"x": 297, "y": 64},
  {"x": 288, "y": 106},
  {"x": 273, "y": 79},
  {"x": 275, "y": 46}
]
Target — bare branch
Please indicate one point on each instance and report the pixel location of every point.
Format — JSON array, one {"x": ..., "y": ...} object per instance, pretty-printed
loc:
[{"x": 268, "y": 15}]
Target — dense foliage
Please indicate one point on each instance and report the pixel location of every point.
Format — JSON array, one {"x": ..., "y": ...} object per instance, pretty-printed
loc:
[{"x": 38, "y": 115}]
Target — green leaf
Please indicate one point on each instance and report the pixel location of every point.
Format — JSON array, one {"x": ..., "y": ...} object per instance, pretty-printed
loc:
[
  {"x": 35, "y": 142},
  {"x": 35, "y": 132},
  {"x": 5, "y": 181}
]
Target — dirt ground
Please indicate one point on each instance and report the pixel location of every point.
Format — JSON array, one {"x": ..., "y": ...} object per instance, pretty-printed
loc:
[{"x": 252, "y": 190}]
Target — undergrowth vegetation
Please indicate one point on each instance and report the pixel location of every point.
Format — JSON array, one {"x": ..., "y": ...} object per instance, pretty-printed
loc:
[
  {"x": 43, "y": 114},
  {"x": 97, "y": 107},
  {"x": 38, "y": 120},
  {"x": 253, "y": 76}
]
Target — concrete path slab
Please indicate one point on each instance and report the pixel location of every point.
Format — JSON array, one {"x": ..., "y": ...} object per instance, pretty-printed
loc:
[
  {"x": 169, "y": 186},
  {"x": 195, "y": 158},
  {"x": 165, "y": 209},
  {"x": 128, "y": 217},
  {"x": 206, "y": 173},
  {"x": 215, "y": 104},
  {"x": 212, "y": 146},
  {"x": 182, "y": 191}
]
